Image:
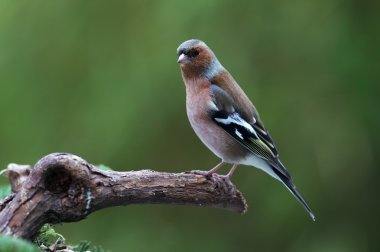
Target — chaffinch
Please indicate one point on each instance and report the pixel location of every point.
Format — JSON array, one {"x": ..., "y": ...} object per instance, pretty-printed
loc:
[{"x": 225, "y": 119}]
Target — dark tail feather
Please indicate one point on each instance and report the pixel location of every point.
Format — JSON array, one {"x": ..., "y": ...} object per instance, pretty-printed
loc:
[
  {"x": 292, "y": 188},
  {"x": 287, "y": 181}
]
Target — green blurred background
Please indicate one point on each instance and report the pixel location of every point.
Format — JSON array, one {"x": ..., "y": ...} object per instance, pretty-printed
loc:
[{"x": 100, "y": 79}]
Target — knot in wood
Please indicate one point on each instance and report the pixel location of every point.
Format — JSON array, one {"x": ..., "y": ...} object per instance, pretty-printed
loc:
[{"x": 57, "y": 179}]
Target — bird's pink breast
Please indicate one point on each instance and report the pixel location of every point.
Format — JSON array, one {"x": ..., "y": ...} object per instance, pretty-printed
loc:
[{"x": 213, "y": 136}]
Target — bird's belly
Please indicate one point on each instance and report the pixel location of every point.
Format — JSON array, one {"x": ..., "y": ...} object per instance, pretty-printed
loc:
[{"x": 216, "y": 139}]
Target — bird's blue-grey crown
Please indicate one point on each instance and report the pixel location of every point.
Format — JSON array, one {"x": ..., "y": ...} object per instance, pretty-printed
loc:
[
  {"x": 188, "y": 44},
  {"x": 185, "y": 49}
]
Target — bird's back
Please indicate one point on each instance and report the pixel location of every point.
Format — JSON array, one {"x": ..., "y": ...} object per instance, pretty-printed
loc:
[{"x": 243, "y": 104}]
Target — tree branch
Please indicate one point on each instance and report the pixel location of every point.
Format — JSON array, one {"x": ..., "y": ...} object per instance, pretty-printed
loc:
[{"x": 65, "y": 188}]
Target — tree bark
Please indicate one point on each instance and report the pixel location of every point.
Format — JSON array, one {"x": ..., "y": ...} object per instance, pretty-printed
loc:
[{"x": 65, "y": 188}]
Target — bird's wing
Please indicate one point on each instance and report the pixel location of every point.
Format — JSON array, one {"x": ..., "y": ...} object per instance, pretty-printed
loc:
[{"x": 252, "y": 136}]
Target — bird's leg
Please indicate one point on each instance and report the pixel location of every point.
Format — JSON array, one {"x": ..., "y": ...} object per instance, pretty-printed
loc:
[
  {"x": 229, "y": 174},
  {"x": 213, "y": 170},
  {"x": 208, "y": 174}
]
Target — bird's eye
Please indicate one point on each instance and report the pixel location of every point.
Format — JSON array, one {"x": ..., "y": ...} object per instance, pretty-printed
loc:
[{"x": 193, "y": 53}]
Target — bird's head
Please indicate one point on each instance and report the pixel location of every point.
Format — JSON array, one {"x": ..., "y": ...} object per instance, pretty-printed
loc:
[{"x": 196, "y": 59}]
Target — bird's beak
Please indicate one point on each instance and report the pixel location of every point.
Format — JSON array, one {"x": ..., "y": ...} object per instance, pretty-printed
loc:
[{"x": 181, "y": 58}]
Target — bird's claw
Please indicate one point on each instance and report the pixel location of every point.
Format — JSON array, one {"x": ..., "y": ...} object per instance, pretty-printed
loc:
[{"x": 203, "y": 173}]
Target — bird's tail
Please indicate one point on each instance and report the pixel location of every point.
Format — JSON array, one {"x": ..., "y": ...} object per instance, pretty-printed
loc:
[
  {"x": 292, "y": 188},
  {"x": 287, "y": 181}
]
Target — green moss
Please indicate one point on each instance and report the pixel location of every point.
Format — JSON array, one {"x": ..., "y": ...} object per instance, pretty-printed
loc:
[
  {"x": 48, "y": 237},
  {"x": 103, "y": 167},
  {"x": 84, "y": 246},
  {"x": 5, "y": 191},
  {"x": 8, "y": 243}
]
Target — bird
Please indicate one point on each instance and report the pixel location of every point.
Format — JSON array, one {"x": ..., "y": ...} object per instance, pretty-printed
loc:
[{"x": 224, "y": 118}]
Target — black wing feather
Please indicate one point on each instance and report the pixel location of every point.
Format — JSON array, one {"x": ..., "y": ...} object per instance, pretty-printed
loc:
[{"x": 254, "y": 136}]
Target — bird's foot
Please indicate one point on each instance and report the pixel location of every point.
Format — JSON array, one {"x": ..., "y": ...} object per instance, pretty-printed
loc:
[
  {"x": 230, "y": 173},
  {"x": 207, "y": 174},
  {"x": 227, "y": 178}
]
